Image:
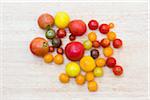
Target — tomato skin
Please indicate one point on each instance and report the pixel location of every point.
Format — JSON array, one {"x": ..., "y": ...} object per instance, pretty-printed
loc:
[
  {"x": 117, "y": 70},
  {"x": 39, "y": 46},
  {"x": 77, "y": 27},
  {"x": 45, "y": 20},
  {"x": 93, "y": 24},
  {"x": 61, "y": 33},
  {"x": 104, "y": 28},
  {"x": 111, "y": 62},
  {"x": 117, "y": 43}
]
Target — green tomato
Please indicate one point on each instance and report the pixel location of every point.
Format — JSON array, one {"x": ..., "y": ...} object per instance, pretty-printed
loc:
[
  {"x": 50, "y": 34},
  {"x": 72, "y": 69},
  {"x": 98, "y": 72},
  {"x": 87, "y": 44}
]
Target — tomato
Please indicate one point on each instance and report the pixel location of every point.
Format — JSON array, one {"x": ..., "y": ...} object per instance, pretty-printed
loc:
[
  {"x": 48, "y": 58},
  {"x": 93, "y": 24},
  {"x": 72, "y": 69},
  {"x": 117, "y": 43},
  {"x": 105, "y": 42},
  {"x": 87, "y": 63},
  {"x": 92, "y": 36},
  {"x": 74, "y": 51},
  {"x": 104, "y": 28},
  {"x": 94, "y": 53},
  {"x": 56, "y": 42},
  {"x": 72, "y": 38},
  {"x": 61, "y": 33},
  {"x": 58, "y": 59},
  {"x": 111, "y": 62},
  {"x": 111, "y": 36},
  {"x": 92, "y": 86},
  {"x": 98, "y": 72},
  {"x": 51, "y": 49},
  {"x": 89, "y": 76},
  {"x": 64, "y": 78},
  {"x": 45, "y": 20},
  {"x": 117, "y": 70},
  {"x": 39, "y": 46},
  {"x": 87, "y": 44},
  {"x": 80, "y": 79},
  {"x": 50, "y": 34},
  {"x": 77, "y": 27},
  {"x": 108, "y": 51},
  {"x": 60, "y": 51},
  {"x": 111, "y": 25},
  {"x": 62, "y": 20},
  {"x": 100, "y": 62},
  {"x": 95, "y": 44}
]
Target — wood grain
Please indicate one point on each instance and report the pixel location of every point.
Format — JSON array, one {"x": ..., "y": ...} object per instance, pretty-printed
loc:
[{"x": 26, "y": 77}]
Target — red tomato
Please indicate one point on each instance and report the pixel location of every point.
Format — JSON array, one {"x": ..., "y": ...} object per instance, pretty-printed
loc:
[
  {"x": 39, "y": 46},
  {"x": 45, "y": 20},
  {"x": 111, "y": 62},
  {"x": 77, "y": 27},
  {"x": 61, "y": 33},
  {"x": 117, "y": 70},
  {"x": 74, "y": 51},
  {"x": 93, "y": 24},
  {"x": 95, "y": 44},
  {"x": 71, "y": 37},
  {"x": 117, "y": 43},
  {"x": 104, "y": 28},
  {"x": 105, "y": 42}
]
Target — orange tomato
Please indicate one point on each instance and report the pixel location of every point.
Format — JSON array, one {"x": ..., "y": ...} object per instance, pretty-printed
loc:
[
  {"x": 58, "y": 59},
  {"x": 48, "y": 58},
  {"x": 80, "y": 79},
  {"x": 89, "y": 76},
  {"x": 64, "y": 78},
  {"x": 92, "y": 86}
]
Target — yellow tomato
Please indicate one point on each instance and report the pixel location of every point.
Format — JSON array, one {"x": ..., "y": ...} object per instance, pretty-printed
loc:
[
  {"x": 92, "y": 36},
  {"x": 64, "y": 78},
  {"x": 87, "y": 63},
  {"x": 100, "y": 62},
  {"x": 89, "y": 76},
  {"x": 108, "y": 51},
  {"x": 98, "y": 72},
  {"x": 111, "y": 36},
  {"x": 48, "y": 58},
  {"x": 92, "y": 86},
  {"x": 62, "y": 19},
  {"x": 58, "y": 59},
  {"x": 111, "y": 25}
]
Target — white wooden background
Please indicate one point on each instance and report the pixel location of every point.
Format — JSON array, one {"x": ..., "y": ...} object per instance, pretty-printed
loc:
[{"x": 26, "y": 77}]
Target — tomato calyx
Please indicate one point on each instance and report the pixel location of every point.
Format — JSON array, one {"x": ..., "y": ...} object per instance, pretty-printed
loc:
[{"x": 45, "y": 44}]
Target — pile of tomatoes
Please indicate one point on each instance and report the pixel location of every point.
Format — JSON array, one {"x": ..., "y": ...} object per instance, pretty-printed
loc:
[{"x": 84, "y": 68}]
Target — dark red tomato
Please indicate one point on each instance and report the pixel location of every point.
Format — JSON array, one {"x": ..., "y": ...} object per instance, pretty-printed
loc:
[
  {"x": 39, "y": 46},
  {"x": 45, "y": 20},
  {"x": 117, "y": 70},
  {"x": 95, "y": 44},
  {"x": 61, "y": 33},
  {"x": 111, "y": 62},
  {"x": 104, "y": 28},
  {"x": 93, "y": 24},
  {"x": 72, "y": 38},
  {"x": 117, "y": 43}
]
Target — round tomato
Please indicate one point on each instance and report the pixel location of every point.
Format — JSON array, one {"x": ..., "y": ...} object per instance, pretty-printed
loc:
[{"x": 39, "y": 46}]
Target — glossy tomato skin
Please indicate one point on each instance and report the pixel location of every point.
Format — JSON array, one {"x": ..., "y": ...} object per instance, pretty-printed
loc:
[
  {"x": 77, "y": 27},
  {"x": 61, "y": 33},
  {"x": 117, "y": 43},
  {"x": 74, "y": 51},
  {"x": 39, "y": 46},
  {"x": 104, "y": 28},
  {"x": 111, "y": 62},
  {"x": 45, "y": 20},
  {"x": 93, "y": 24},
  {"x": 118, "y": 70}
]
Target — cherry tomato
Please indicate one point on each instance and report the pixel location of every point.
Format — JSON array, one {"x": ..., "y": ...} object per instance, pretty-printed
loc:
[
  {"x": 111, "y": 25},
  {"x": 117, "y": 70},
  {"x": 51, "y": 49},
  {"x": 100, "y": 62},
  {"x": 111, "y": 62},
  {"x": 117, "y": 43},
  {"x": 72, "y": 38},
  {"x": 80, "y": 79},
  {"x": 98, "y": 72},
  {"x": 60, "y": 51},
  {"x": 89, "y": 76},
  {"x": 50, "y": 34},
  {"x": 108, "y": 51},
  {"x": 92, "y": 86},
  {"x": 61, "y": 33},
  {"x": 87, "y": 44},
  {"x": 48, "y": 58},
  {"x": 45, "y": 20},
  {"x": 93, "y": 24},
  {"x": 56, "y": 42},
  {"x": 104, "y": 28},
  {"x": 64, "y": 78},
  {"x": 92, "y": 36},
  {"x": 94, "y": 53},
  {"x": 95, "y": 44},
  {"x": 58, "y": 59},
  {"x": 111, "y": 36},
  {"x": 105, "y": 42}
]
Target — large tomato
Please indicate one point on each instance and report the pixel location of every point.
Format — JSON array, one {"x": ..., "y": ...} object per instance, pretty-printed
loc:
[
  {"x": 39, "y": 46},
  {"x": 77, "y": 27},
  {"x": 74, "y": 51}
]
